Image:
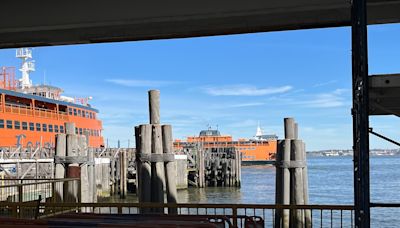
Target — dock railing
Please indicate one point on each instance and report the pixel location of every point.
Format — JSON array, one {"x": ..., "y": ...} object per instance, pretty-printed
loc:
[
  {"x": 20, "y": 198},
  {"x": 240, "y": 215}
]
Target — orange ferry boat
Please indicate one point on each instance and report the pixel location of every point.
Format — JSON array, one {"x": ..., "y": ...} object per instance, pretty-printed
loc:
[
  {"x": 31, "y": 115},
  {"x": 259, "y": 150}
]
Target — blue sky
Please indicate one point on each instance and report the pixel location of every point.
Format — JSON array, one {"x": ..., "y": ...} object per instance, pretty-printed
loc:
[{"x": 231, "y": 81}]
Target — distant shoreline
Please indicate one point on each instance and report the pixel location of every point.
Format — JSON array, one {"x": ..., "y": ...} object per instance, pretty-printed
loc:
[{"x": 346, "y": 153}]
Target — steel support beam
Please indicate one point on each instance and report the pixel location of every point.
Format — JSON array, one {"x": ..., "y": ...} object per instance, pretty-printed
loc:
[{"x": 360, "y": 112}]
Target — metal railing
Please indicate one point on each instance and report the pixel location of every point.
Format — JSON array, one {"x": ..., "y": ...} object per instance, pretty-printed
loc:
[
  {"x": 39, "y": 112},
  {"x": 239, "y": 215},
  {"x": 26, "y": 190}
]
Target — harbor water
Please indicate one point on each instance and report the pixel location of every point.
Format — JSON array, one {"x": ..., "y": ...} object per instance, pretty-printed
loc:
[{"x": 330, "y": 182}]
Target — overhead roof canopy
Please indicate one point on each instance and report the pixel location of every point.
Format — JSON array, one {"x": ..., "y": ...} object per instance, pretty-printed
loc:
[{"x": 51, "y": 22}]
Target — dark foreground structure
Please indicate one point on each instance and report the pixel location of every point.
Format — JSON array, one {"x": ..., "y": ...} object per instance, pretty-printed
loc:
[{"x": 53, "y": 23}]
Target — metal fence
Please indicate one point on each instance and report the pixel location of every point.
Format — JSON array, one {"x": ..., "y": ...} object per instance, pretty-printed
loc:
[
  {"x": 25, "y": 190},
  {"x": 238, "y": 215}
]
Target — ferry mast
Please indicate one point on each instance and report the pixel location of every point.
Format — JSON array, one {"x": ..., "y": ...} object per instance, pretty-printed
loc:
[{"x": 27, "y": 66}]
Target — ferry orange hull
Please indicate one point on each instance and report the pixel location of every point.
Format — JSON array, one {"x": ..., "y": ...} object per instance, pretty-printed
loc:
[
  {"x": 252, "y": 151},
  {"x": 30, "y": 121}
]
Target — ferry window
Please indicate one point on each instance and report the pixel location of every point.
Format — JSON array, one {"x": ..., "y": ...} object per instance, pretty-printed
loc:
[
  {"x": 76, "y": 130},
  {"x": 79, "y": 112},
  {"x": 74, "y": 111},
  {"x": 56, "y": 128},
  {"x": 1, "y": 123},
  {"x": 9, "y": 124},
  {"x": 87, "y": 114},
  {"x": 44, "y": 127},
  {"x": 90, "y": 115},
  {"x": 17, "y": 125},
  {"x": 70, "y": 111},
  {"x": 50, "y": 128},
  {"x": 31, "y": 126},
  {"x": 80, "y": 131},
  {"x": 24, "y": 126},
  {"x": 37, "y": 126},
  {"x": 61, "y": 129}
]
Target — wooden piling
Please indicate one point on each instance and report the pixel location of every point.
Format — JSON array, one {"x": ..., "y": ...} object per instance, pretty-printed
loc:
[
  {"x": 307, "y": 213},
  {"x": 170, "y": 168},
  {"x": 297, "y": 190},
  {"x": 59, "y": 169},
  {"x": 137, "y": 161},
  {"x": 278, "y": 184},
  {"x": 92, "y": 176},
  {"x": 73, "y": 169},
  {"x": 91, "y": 169},
  {"x": 157, "y": 168},
  {"x": 239, "y": 168},
  {"x": 145, "y": 134},
  {"x": 85, "y": 189},
  {"x": 285, "y": 148},
  {"x": 201, "y": 168},
  {"x": 154, "y": 106},
  {"x": 289, "y": 126},
  {"x": 123, "y": 174}
]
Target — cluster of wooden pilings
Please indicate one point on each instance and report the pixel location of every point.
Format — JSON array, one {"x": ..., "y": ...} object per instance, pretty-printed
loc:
[
  {"x": 291, "y": 179},
  {"x": 156, "y": 167},
  {"x": 221, "y": 168},
  {"x": 212, "y": 166},
  {"x": 73, "y": 159}
]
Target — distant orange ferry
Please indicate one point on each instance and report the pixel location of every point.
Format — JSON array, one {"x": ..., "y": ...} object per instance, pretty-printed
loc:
[
  {"x": 259, "y": 150},
  {"x": 31, "y": 115}
]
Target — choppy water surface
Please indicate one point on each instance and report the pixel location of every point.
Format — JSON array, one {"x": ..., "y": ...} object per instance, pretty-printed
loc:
[{"x": 330, "y": 182}]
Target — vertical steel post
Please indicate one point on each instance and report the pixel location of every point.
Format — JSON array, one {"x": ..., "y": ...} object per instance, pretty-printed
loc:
[{"x": 360, "y": 113}]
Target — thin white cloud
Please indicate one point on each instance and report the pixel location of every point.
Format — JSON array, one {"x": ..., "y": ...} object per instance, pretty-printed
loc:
[
  {"x": 245, "y": 90},
  {"x": 140, "y": 83},
  {"x": 243, "y": 105},
  {"x": 333, "y": 99},
  {"x": 324, "y": 83}
]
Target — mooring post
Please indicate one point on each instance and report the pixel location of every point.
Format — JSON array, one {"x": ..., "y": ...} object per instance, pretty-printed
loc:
[{"x": 170, "y": 169}]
